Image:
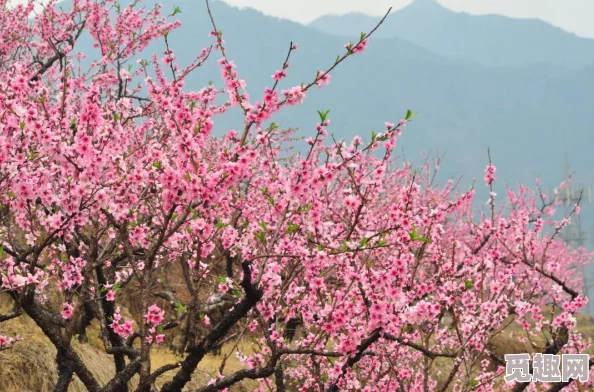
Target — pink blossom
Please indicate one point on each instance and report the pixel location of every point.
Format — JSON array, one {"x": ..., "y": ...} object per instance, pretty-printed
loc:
[
  {"x": 206, "y": 320},
  {"x": 322, "y": 78},
  {"x": 278, "y": 75},
  {"x": 154, "y": 315},
  {"x": 66, "y": 310},
  {"x": 490, "y": 174}
]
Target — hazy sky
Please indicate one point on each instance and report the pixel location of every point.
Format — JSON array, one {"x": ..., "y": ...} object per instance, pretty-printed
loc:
[{"x": 572, "y": 15}]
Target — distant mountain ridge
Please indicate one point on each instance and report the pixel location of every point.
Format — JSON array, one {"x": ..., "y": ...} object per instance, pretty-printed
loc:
[{"x": 491, "y": 40}]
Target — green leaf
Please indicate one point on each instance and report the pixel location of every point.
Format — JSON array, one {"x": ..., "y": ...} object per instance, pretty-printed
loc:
[
  {"x": 409, "y": 114},
  {"x": 262, "y": 224},
  {"x": 474, "y": 383},
  {"x": 237, "y": 293},
  {"x": 344, "y": 247},
  {"x": 180, "y": 308},
  {"x": 270, "y": 200},
  {"x": 261, "y": 236},
  {"x": 364, "y": 241},
  {"x": 413, "y": 233},
  {"x": 292, "y": 228},
  {"x": 415, "y": 237},
  {"x": 116, "y": 286},
  {"x": 373, "y": 136},
  {"x": 116, "y": 117},
  {"x": 468, "y": 284},
  {"x": 305, "y": 208},
  {"x": 273, "y": 126},
  {"x": 323, "y": 115},
  {"x": 1, "y": 251},
  {"x": 220, "y": 225},
  {"x": 188, "y": 177},
  {"x": 22, "y": 125},
  {"x": 221, "y": 279},
  {"x": 158, "y": 164},
  {"x": 166, "y": 33},
  {"x": 176, "y": 10}
]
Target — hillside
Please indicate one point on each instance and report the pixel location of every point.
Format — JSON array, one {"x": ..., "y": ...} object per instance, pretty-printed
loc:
[{"x": 491, "y": 40}]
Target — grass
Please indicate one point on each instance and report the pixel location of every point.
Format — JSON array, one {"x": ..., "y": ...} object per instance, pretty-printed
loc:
[{"x": 30, "y": 366}]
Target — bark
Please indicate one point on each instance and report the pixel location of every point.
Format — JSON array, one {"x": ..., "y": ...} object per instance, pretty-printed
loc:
[
  {"x": 197, "y": 353},
  {"x": 65, "y": 372},
  {"x": 44, "y": 320}
]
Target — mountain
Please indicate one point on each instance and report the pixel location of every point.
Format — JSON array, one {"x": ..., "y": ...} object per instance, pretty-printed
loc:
[{"x": 491, "y": 40}]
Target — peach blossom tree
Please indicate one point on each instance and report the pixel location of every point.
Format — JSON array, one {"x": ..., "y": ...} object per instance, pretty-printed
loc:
[{"x": 344, "y": 268}]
